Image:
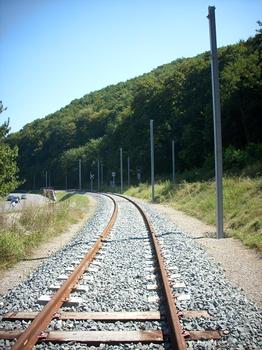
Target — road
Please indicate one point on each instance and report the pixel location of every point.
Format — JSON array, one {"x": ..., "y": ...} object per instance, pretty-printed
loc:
[{"x": 31, "y": 200}]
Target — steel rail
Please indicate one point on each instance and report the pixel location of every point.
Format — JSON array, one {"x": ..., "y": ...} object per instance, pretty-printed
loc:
[
  {"x": 30, "y": 336},
  {"x": 176, "y": 334}
]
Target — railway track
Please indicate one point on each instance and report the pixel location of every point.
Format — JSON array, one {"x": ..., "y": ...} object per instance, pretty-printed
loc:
[{"x": 153, "y": 319}]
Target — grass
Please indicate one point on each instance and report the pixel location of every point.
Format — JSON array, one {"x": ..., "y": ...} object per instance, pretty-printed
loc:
[
  {"x": 21, "y": 232},
  {"x": 242, "y": 204}
]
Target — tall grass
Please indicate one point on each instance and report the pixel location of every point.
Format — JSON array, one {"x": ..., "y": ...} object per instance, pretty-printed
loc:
[
  {"x": 21, "y": 232},
  {"x": 242, "y": 204}
]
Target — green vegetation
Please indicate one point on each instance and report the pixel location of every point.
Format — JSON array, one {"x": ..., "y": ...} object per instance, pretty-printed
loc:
[
  {"x": 8, "y": 155},
  {"x": 22, "y": 231},
  {"x": 177, "y": 96},
  {"x": 242, "y": 204}
]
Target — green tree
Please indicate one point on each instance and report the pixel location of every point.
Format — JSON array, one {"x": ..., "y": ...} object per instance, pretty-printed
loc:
[
  {"x": 177, "y": 96},
  {"x": 8, "y": 155}
]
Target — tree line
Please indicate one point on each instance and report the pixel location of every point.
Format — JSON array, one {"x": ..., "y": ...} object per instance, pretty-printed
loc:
[
  {"x": 178, "y": 97},
  {"x": 8, "y": 160}
]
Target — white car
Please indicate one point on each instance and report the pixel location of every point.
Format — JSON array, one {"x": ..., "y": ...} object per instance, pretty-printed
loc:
[{"x": 13, "y": 198}]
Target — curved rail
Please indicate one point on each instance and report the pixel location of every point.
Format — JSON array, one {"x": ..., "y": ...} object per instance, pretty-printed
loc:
[
  {"x": 32, "y": 334},
  {"x": 176, "y": 335}
]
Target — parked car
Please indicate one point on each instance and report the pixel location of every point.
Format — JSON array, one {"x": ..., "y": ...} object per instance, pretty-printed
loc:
[
  {"x": 23, "y": 196},
  {"x": 10, "y": 197},
  {"x": 13, "y": 198}
]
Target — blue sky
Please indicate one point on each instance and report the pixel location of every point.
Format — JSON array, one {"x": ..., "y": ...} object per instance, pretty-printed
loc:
[{"x": 53, "y": 51}]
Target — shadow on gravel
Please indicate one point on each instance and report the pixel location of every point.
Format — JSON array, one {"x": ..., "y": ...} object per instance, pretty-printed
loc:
[
  {"x": 124, "y": 239},
  {"x": 206, "y": 235},
  {"x": 169, "y": 233},
  {"x": 68, "y": 195},
  {"x": 32, "y": 259},
  {"x": 139, "y": 238}
]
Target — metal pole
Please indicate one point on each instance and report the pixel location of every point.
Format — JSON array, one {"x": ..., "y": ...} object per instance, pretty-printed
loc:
[
  {"x": 98, "y": 175},
  {"x": 80, "y": 175},
  {"x": 152, "y": 159},
  {"x": 91, "y": 182},
  {"x": 217, "y": 122},
  {"x": 102, "y": 174},
  {"x": 173, "y": 161},
  {"x": 128, "y": 171},
  {"x": 46, "y": 179},
  {"x": 121, "y": 170},
  {"x": 113, "y": 181}
]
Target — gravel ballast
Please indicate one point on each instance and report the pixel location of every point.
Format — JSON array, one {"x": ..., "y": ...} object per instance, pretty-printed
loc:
[
  {"x": 119, "y": 278},
  {"x": 116, "y": 279},
  {"x": 207, "y": 289}
]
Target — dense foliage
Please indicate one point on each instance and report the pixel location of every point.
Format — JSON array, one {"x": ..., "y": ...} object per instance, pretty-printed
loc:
[
  {"x": 177, "y": 96},
  {"x": 8, "y": 157}
]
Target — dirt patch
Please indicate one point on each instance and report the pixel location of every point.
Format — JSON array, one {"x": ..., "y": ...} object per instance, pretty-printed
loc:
[{"x": 11, "y": 277}]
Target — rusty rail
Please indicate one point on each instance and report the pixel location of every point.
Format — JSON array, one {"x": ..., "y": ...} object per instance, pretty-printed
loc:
[
  {"x": 31, "y": 335},
  {"x": 36, "y": 331},
  {"x": 176, "y": 337}
]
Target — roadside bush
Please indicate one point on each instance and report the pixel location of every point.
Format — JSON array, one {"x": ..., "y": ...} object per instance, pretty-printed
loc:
[
  {"x": 246, "y": 160},
  {"x": 234, "y": 159}
]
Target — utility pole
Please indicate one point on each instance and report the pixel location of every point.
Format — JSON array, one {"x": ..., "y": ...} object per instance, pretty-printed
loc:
[
  {"x": 121, "y": 170},
  {"x": 113, "y": 178},
  {"x": 80, "y": 174},
  {"x": 98, "y": 175},
  {"x": 128, "y": 172},
  {"x": 173, "y": 161},
  {"x": 46, "y": 179},
  {"x": 152, "y": 159},
  {"x": 102, "y": 174},
  {"x": 217, "y": 122},
  {"x": 92, "y": 176}
]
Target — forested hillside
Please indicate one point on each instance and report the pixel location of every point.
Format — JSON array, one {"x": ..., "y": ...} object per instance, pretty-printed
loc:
[{"x": 177, "y": 96}]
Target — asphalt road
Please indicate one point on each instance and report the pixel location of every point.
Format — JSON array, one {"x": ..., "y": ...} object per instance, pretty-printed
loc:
[{"x": 31, "y": 200}]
